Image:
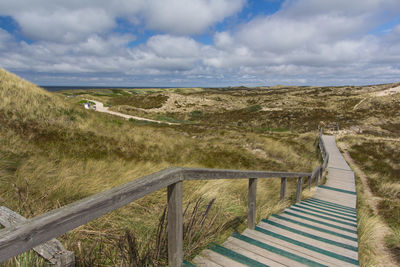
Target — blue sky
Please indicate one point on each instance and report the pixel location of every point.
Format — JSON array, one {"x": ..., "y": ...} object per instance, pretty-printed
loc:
[{"x": 201, "y": 42}]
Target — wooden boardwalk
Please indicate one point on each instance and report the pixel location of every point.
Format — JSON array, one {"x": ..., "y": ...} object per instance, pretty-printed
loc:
[{"x": 320, "y": 231}]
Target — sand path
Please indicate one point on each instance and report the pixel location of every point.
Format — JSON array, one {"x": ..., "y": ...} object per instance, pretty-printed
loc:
[{"x": 101, "y": 108}]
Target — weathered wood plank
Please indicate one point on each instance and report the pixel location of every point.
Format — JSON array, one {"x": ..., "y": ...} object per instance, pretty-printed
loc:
[
  {"x": 20, "y": 238},
  {"x": 275, "y": 259},
  {"x": 283, "y": 188},
  {"x": 52, "y": 250},
  {"x": 251, "y": 205},
  {"x": 203, "y": 262},
  {"x": 42, "y": 228},
  {"x": 299, "y": 189},
  {"x": 251, "y": 252},
  {"x": 207, "y": 174},
  {"x": 297, "y": 250},
  {"x": 220, "y": 259},
  {"x": 175, "y": 225}
]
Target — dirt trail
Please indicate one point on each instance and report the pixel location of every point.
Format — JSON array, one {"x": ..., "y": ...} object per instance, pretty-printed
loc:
[
  {"x": 101, "y": 108},
  {"x": 382, "y": 230},
  {"x": 390, "y": 91},
  {"x": 359, "y": 103}
]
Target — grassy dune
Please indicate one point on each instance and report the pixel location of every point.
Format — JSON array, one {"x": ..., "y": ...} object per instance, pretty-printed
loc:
[{"x": 53, "y": 152}]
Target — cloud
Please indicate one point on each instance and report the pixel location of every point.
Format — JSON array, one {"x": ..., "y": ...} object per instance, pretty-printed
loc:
[
  {"x": 72, "y": 21},
  {"x": 188, "y": 16},
  {"x": 305, "y": 42},
  {"x": 64, "y": 25}
]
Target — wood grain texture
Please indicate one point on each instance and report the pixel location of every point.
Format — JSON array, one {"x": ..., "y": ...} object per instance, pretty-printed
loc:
[
  {"x": 283, "y": 188},
  {"x": 20, "y": 238},
  {"x": 210, "y": 174},
  {"x": 52, "y": 250},
  {"x": 251, "y": 205},
  {"x": 175, "y": 225},
  {"x": 299, "y": 189},
  {"x": 35, "y": 231}
]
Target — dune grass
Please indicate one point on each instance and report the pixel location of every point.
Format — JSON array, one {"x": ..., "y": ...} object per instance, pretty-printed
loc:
[
  {"x": 53, "y": 152},
  {"x": 379, "y": 160}
]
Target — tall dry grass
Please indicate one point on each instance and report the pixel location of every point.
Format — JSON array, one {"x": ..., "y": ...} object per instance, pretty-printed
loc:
[{"x": 53, "y": 153}]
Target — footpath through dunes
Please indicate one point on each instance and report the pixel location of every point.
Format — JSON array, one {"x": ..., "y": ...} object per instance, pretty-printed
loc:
[
  {"x": 320, "y": 231},
  {"x": 101, "y": 108}
]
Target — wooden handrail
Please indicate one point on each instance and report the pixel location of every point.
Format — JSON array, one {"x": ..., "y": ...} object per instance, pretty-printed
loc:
[{"x": 37, "y": 230}]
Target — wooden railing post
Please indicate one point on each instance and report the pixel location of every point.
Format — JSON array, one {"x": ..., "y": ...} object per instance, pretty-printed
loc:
[
  {"x": 283, "y": 188},
  {"x": 252, "y": 200},
  {"x": 175, "y": 225},
  {"x": 299, "y": 188},
  {"x": 319, "y": 176},
  {"x": 309, "y": 182}
]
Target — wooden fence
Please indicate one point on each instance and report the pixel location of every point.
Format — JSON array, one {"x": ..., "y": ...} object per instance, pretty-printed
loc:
[{"x": 35, "y": 231}]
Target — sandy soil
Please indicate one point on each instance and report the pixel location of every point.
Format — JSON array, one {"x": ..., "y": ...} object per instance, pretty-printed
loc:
[
  {"x": 101, "y": 108},
  {"x": 390, "y": 91}
]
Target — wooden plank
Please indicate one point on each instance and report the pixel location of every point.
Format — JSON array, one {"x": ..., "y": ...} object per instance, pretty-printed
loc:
[
  {"x": 203, "y": 262},
  {"x": 283, "y": 188},
  {"x": 299, "y": 189},
  {"x": 320, "y": 223},
  {"x": 250, "y": 251},
  {"x": 207, "y": 174},
  {"x": 20, "y": 238},
  {"x": 251, "y": 205},
  {"x": 220, "y": 259},
  {"x": 175, "y": 225},
  {"x": 326, "y": 212},
  {"x": 274, "y": 258},
  {"x": 315, "y": 232},
  {"x": 313, "y": 217},
  {"x": 302, "y": 252},
  {"x": 52, "y": 250}
]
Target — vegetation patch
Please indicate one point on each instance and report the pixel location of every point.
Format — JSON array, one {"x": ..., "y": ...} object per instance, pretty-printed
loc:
[{"x": 145, "y": 101}]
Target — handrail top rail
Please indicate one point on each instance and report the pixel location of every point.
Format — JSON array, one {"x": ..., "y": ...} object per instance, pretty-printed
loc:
[{"x": 54, "y": 223}]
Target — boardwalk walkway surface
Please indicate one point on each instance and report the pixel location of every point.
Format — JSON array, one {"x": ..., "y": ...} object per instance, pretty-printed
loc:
[{"x": 320, "y": 231}]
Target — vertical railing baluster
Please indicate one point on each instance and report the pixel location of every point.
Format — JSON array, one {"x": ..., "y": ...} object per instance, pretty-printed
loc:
[
  {"x": 175, "y": 225},
  {"x": 283, "y": 188},
  {"x": 299, "y": 188},
  {"x": 309, "y": 182},
  {"x": 252, "y": 201}
]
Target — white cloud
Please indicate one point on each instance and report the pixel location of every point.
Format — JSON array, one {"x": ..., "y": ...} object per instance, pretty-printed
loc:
[
  {"x": 64, "y": 25},
  {"x": 172, "y": 46},
  {"x": 188, "y": 16},
  {"x": 307, "y": 42},
  {"x": 71, "y": 21}
]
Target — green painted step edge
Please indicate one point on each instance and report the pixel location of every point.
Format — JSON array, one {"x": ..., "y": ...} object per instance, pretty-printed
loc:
[
  {"x": 320, "y": 222},
  {"x": 315, "y": 237},
  {"x": 330, "y": 203},
  {"x": 338, "y": 190},
  {"x": 330, "y": 206},
  {"x": 327, "y": 209},
  {"x": 276, "y": 250},
  {"x": 316, "y": 228},
  {"x": 326, "y": 213},
  {"x": 308, "y": 246},
  {"x": 188, "y": 264},
  {"x": 324, "y": 217},
  {"x": 235, "y": 256}
]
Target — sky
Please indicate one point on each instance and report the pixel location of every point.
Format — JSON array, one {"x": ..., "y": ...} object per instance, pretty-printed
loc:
[{"x": 205, "y": 43}]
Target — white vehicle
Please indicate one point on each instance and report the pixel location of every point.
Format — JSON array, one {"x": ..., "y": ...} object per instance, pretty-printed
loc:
[{"x": 86, "y": 105}]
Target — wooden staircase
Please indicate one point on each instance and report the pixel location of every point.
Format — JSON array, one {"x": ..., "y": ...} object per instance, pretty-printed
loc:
[{"x": 320, "y": 231}]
